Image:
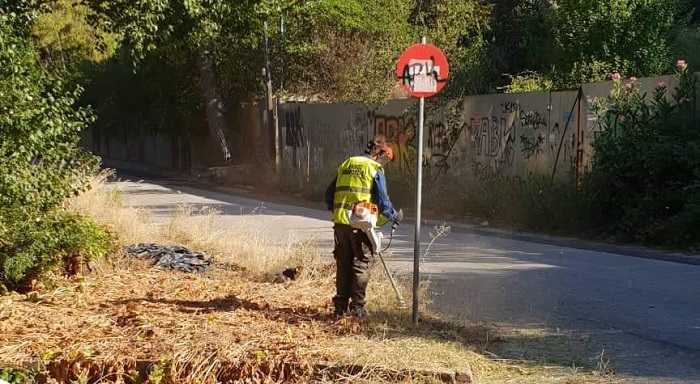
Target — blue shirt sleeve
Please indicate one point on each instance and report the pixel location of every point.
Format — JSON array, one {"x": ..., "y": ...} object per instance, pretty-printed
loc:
[
  {"x": 330, "y": 194},
  {"x": 381, "y": 197}
]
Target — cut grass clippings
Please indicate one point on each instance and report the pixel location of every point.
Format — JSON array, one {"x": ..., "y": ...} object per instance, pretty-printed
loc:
[
  {"x": 230, "y": 323},
  {"x": 128, "y": 322}
]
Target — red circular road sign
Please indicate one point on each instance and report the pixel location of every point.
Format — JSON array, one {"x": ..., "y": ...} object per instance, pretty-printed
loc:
[{"x": 423, "y": 70}]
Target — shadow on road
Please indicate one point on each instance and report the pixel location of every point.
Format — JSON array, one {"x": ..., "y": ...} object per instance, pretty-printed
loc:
[
  {"x": 557, "y": 305},
  {"x": 549, "y": 303}
]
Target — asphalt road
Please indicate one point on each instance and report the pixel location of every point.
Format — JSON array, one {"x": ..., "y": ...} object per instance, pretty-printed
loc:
[{"x": 642, "y": 314}]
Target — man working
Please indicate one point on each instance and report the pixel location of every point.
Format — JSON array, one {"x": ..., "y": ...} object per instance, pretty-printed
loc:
[{"x": 360, "y": 179}]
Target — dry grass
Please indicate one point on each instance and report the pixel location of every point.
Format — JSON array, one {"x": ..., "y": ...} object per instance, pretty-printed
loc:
[
  {"x": 245, "y": 245},
  {"x": 230, "y": 323},
  {"x": 227, "y": 323}
]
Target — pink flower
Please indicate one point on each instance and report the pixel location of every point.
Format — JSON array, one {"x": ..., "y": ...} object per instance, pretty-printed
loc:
[
  {"x": 616, "y": 76},
  {"x": 681, "y": 64},
  {"x": 660, "y": 85}
]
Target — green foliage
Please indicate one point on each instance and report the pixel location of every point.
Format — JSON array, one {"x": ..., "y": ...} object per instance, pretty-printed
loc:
[
  {"x": 574, "y": 42},
  {"x": 141, "y": 24},
  {"x": 519, "y": 36},
  {"x": 344, "y": 50},
  {"x": 595, "y": 38},
  {"x": 66, "y": 39},
  {"x": 53, "y": 241},
  {"x": 15, "y": 376},
  {"x": 186, "y": 26},
  {"x": 644, "y": 185},
  {"x": 126, "y": 99},
  {"x": 334, "y": 49},
  {"x": 687, "y": 43},
  {"x": 42, "y": 164},
  {"x": 528, "y": 82},
  {"x": 457, "y": 27},
  {"x": 39, "y": 127},
  {"x": 19, "y": 14}
]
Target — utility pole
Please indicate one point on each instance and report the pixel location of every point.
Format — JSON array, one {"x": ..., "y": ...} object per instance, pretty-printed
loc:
[
  {"x": 271, "y": 110},
  {"x": 282, "y": 53}
]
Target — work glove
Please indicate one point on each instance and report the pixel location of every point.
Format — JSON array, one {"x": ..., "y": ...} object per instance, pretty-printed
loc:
[{"x": 399, "y": 217}]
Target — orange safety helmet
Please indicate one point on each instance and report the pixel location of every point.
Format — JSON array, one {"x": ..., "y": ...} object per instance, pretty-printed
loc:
[{"x": 389, "y": 152}]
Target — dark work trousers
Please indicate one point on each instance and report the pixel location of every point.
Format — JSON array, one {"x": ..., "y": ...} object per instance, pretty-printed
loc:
[{"x": 353, "y": 259}]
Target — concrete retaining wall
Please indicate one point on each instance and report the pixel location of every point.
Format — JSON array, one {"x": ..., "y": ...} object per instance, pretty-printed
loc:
[{"x": 548, "y": 133}]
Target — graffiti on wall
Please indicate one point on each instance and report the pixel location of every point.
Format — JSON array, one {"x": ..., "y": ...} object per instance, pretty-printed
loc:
[
  {"x": 316, "y": 159},
  {"x": 493, "y": 138},
  {"x": 294, "y": 136},
  {"x": 300, "y": 155},
  {"x": 443, "y": 138},
  {"x": 353, "y": 134},
  {"x": 533, "y": 125},
  {"x": 531, "y": 146},
  {"x": 400, "y": 134},
  {"x": 533, "y": 120}
]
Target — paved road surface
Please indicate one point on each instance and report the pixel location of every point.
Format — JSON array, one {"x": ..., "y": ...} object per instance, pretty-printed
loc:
[{"x": 645, "y": 314}]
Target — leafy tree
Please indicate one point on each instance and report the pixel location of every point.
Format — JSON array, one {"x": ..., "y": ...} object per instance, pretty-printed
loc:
[
  {"x": 20, "y": 13},
  {"x": 458, "y": 27},
  {"x": 38, "y": 125},
  {"x": 66, "y": 39},
  {"x": 155, "y": 96},
  {"x": 335, "y": 50},
  {"x": 339, "y": 50},
  {"x": 519, "y": 38},
  {"x": 527, "y": 82},
  {"x": 181, "y": 30},
  {"x": 572, "y": 42},
  {"x": 595, "y": 38}
]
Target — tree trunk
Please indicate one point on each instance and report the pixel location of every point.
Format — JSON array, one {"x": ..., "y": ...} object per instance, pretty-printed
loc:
[{"x": 213, "y": 104}]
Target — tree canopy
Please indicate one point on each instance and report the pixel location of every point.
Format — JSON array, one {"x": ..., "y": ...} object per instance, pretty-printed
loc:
[{"x": 174, "y": 65}]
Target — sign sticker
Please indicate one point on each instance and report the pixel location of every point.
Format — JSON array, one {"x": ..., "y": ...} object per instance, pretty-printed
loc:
[{"x": 423, "y": 70}]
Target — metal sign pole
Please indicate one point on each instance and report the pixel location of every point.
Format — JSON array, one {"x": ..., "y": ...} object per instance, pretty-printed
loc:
[
  {"x": 423, "y": 70},
  {"x": 419, "y": 190}
]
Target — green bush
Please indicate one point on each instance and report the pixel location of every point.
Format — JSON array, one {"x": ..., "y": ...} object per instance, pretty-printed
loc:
[
  {"x": 530, "y": 203},
  {"x": 54, "y": 241},
  {"x": 528, "y": 82},
  {"x": 644, "y": 185},
  {"x": 42, "y": 164},
  {"x": 16, "y": 376}
]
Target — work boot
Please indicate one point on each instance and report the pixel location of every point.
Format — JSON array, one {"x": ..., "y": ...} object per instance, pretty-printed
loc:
[
  {"x": 339, "y": 311},
  {"x": 340, "y": 306},
  {"x": 357, "y": 311}
]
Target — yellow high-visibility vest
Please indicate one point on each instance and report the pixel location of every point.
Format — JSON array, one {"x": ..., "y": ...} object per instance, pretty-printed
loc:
[{"x": 354, "y": 184}]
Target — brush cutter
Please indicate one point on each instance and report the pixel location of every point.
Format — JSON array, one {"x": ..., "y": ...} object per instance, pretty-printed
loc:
[{"x": 364, "y": 216}]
